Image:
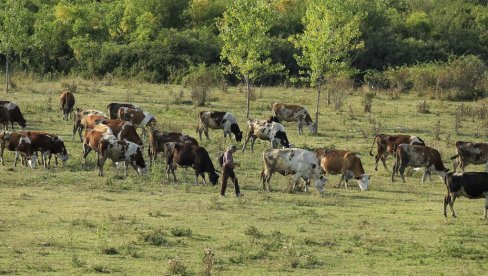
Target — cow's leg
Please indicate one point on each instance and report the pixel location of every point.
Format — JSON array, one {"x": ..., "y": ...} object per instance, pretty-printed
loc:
[
  {"x": 300, "y": 130},
  {"x": 307, "y": 185},
  {"x": 100, "y": 163},
  {"x": 455, "y": 164},
  {"x": 426, "y": 172},
  {"x": 486, "y": 207},
  {"x": 486, "y": 166},
  {"x": 80, "y": 130},
  {"x": 196, "y": 178},
  {"x": 245, "y": 141},
  {"x": 253, "y": 140},
  {"x": 204, "y": 182},
  {"x": 447, "y": 199},
  {"x": 340, "y": 181},
  {"x": 205, "y": 130},
  {"x": 451, "y": 205},
  {"x": 394, "y": 171},
  {"x": 2, "y": 150},
  {"x": 383, "y": 160},
  {"x": 402, "y": 171},
  {"x": 296, "y": 180},
  {"x": 86, "y": 151},
  {"x": 16, "y": 158}
]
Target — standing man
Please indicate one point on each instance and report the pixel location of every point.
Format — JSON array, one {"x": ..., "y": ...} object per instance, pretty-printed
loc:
[{"x": 228, "y": 171}]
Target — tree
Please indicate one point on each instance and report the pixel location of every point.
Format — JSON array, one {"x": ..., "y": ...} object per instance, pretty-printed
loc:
[
  {"x": 331, "y": 33},
  {"x": 246, "y": 44},
  {"x": 15, "y": 23}
]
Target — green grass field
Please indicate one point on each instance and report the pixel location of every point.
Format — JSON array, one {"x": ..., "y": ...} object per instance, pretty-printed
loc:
[{"x": 67, "y": 220}]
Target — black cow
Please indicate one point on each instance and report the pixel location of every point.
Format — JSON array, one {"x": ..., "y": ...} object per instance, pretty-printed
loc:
[
  {"x": 186, "y": 155},
  {"x": 472, "y": 185}
]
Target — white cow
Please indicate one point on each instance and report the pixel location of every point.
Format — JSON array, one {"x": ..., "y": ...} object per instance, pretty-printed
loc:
[
  {"x": 298, "y": 162},
  {"x": 218, "y": 120},
  {"x": 266, "y": 130}
]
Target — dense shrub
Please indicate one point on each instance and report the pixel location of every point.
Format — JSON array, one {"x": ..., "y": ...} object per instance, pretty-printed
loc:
[{"x": 200, "y": 80}]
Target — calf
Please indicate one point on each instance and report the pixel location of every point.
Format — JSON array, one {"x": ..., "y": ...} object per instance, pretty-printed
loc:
[
  {"x": 266, "y": 130},
  {"x": 140, "y": 119},
  {"x": 387, "y": 144},
  {"x": 470, "y": 153},
  {"x": 218, "y": 120},
  {"x": 80, "y": 116},
  {"x": 294, "y": 113},
  {"x": 418, "y": 156},
  {"x": 15, "y": 115},
  {"x": 157, "y": 139},
  {"x": 472, "y": 185},
  {"x": 21, "y": 144},
  {"x": 301, "y": 163},
  {"x": 113, "y": 108},
  {"x": 186, "y": 155},
  {"x": 4, "y": 117},
  {"x": 345, "y": 163},
  {"x": 66, "y": 101},
  {"x": 121, "y": 151}
]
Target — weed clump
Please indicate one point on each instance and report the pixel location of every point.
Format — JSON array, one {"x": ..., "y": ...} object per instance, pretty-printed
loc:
[
  {"x": 156, "y": 237},
  {"x": 177, "y": 267},
  {"x": 181, "y": 232}
]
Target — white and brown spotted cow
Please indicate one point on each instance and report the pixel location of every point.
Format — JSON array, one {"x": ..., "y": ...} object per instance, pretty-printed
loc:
[
  {"x": 139, "y": 118},
  {"x": 470, "y": 153},
  {"x": 15, "y": 115},
  {"x": 80, "y": 116},
  {"x": 92, "y": 140},
  {"x": 21, "y": 144},
  {"x": 218, "y": 120},
  {"x": 66, "y": 102},
  {"x": 121, "y": 151},
  {"x": 268, "y": 131},
  {"x": 387, "y": 144},
  {"x": 298, "y": 162},
  {"x": 345, "y": 163},
  {"x": 416, "y": 157},
  {"x": 113, "y": 108},
  {"x": 294, "y": 113}
]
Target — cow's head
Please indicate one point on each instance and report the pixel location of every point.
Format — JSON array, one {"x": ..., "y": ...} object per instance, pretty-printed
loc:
[
  {"x": 214, "y": 177},
  {"x": 138, "y": 161},
  {"x": 63, "y": 153},
  {"x": 320, "y": 183},
  {"x": 363, "y": 182},
  {"x": 283, "y": 139},
  {"x": 234, "y": 128}
]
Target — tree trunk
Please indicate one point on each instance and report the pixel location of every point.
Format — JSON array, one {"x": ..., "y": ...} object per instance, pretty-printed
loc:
[
  {"x": 6, "y": 74},
  {"x": 317, "y": 109},
  {"x": 248, "y": 99},
  {"x": 328, "y": 97}
]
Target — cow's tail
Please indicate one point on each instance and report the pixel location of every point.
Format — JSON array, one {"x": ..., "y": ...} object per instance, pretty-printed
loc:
[{"x": 372, "y": 146}]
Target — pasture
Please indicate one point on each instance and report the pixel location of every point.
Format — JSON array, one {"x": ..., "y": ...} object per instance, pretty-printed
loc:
[{"x": 67, "y": 220}]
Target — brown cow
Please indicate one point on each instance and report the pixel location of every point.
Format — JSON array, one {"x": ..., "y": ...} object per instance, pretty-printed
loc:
[
  {"x": 15, "y": 114},
  {"x": 157, "y": 139},
  {"x": 186, "y": 155},
  {"x": 80, "y": 114},
  {"x": 48, "y": 144},
  {"x": 418, "y": 156},
  {"x": 66, "y": 102},
  {"x": 113, "y": 108},
  {"x": 92, "y": 140},
  {"x": 121, "y": 151},
  {"x": 470, "y": 153},
  {"x": 294, "y": 113},
  {"x": 345, "y": 163},
  {"x": 387, "y": 144},
  {"x": 139, "y": 118},
  {"x": 21, "y": 144},
  {"x": 123, "y": 130},
  {"x": 4, "y": 117}
]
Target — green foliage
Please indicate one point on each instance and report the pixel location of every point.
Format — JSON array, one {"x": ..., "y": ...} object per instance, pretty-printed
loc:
[
  {"x": 201, "y": 79},
  {"x": 15, "y": 27},
  {"x": 331, "y": 33}
]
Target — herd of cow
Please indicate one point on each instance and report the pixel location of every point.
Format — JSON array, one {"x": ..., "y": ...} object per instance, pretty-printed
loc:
[{"x": 115, "y": 138}]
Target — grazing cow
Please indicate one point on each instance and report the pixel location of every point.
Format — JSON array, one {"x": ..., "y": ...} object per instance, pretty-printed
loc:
[
  {"x": 80, "y": 115},
  {"x": 387, "y": 144},
  {"x": 186, "y": 155},
  {"x": 15, "y": 114},
  {"x": 123, "y": 130},
  {"x": 66, "y": 101},
  {"x": 113, "y": 108},
  {"x": 157, "y": 139},
  {"x": 92, "y": 140},
  {"x": 121, "y": 151},
  {"x": 4, "y": 117},
  {"x": 21, "y": 144},
  {"x": 218, "y": 120},
  {"x": 345, "y": 163},
  {"x": 49, "y": 144},
  {"x": 418, "y": 156},
  {"x": 266, "y": 130},
  {"x": 140, "y": 119},
  {"x": 472, "y": 185},
  {"x": 470, "y": 153},
  {"x": 301, "y": 163},
  {"x": 294, "y": 113}
]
